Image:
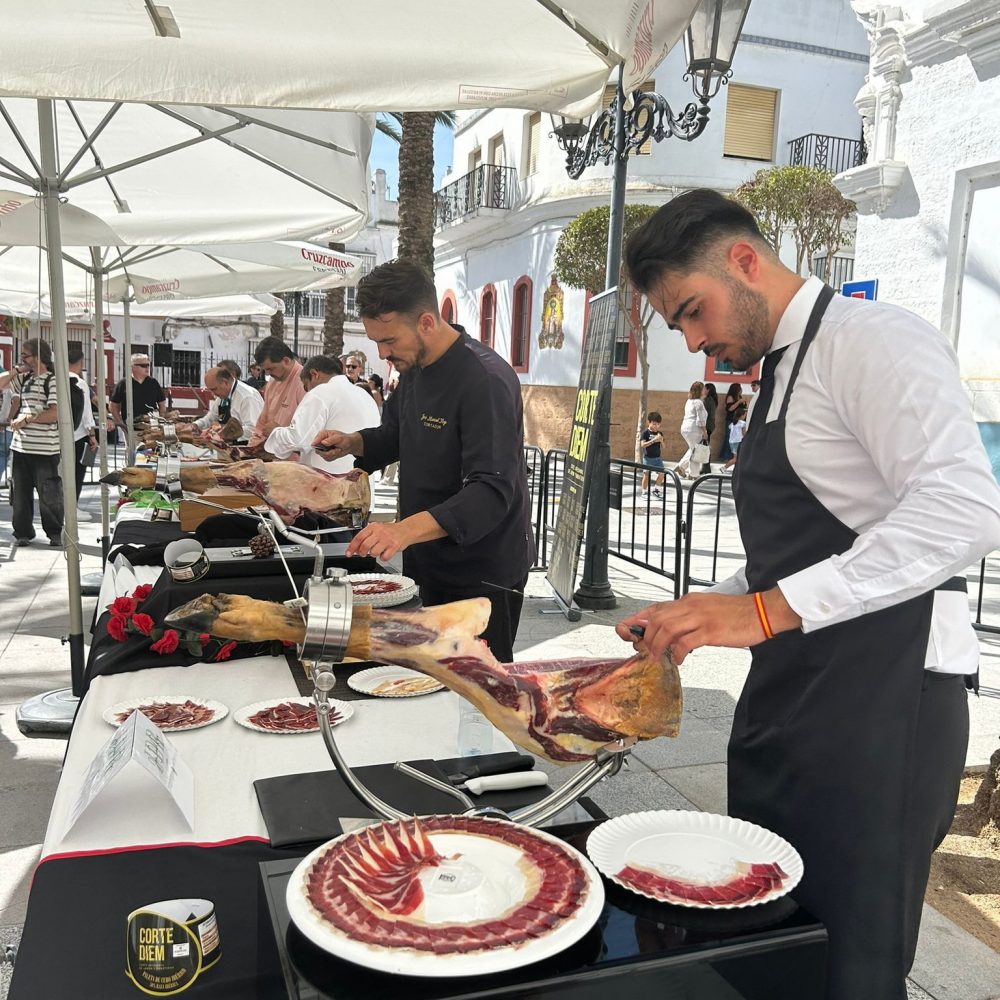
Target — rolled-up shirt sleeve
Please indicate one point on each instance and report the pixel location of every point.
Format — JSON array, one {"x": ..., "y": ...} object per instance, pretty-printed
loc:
[
  {"x": 298, "y": 436},
  {"x": 491, "y": 460},
  {"x": 211, "y": 417},
  {"x": 905, "y": 404}
]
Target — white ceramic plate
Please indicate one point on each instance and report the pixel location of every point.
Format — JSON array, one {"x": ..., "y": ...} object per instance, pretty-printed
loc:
[
  {"x": 392, "y": 682},
  {"x": 504, "y": 885},
  {"x": 406, "y": 589},
  {"x": 219, "y": 710},
  {"x": 698, "y": 848},
  {"x": 242, "y": 715}
]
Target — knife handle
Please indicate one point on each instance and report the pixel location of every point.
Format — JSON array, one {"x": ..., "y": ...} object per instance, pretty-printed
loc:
[
  {"x": 503, "y": 782},
  {"x": 499, "y": 763}
]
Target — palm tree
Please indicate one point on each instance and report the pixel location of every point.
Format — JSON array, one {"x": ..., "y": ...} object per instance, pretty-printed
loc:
[{"x": 415, "y": 136}]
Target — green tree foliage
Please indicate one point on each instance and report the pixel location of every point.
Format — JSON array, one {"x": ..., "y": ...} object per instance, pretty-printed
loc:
[
  {"x": 582, "y": 250},
  {"x": 802, "y": 201},
  {"x": 581, "y": 262}
]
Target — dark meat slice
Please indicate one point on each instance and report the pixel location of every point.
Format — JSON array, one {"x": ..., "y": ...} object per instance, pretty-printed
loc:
[
  {"x": 370, "y": 587},
  {"x": 172, "y": 715},
  {"x": 742, "y": 887},
  {"x": 290, "y": 717}
]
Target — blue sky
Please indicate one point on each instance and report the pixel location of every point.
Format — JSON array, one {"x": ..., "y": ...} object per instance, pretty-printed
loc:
[{"x": 385, "y": 154}]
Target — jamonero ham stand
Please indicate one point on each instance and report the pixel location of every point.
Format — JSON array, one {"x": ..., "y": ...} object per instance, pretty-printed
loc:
[{"x": 326, "y": 606}]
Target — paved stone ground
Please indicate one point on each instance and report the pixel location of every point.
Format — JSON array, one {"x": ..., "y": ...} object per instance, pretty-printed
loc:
[{"x": 687, "y": 773}]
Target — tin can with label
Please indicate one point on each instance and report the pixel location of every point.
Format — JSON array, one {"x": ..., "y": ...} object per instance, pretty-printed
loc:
[{"x": 170, "y": 944}]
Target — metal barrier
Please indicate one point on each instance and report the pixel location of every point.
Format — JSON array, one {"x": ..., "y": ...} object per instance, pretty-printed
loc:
[
  {"x": 534, "y": 462},
  {"x": 552, "y": 477},
  {"x": 654, "y": 510},
  {"x": 717, "y": 489},
  {"x": 994, "y": 579}
]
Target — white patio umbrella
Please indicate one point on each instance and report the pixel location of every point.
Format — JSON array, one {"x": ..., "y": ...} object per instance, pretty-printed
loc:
[
  {"x": 547, "y": 55},
  {"x": 142, "y": 175}
]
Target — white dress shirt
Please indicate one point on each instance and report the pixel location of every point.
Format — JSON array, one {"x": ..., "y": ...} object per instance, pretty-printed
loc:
[
  {"x": 880, "y": 430},
  {"x": 86, "y": 424},
  {"x": 335, "y": 405},
  {"x": 246, "y": 404}
]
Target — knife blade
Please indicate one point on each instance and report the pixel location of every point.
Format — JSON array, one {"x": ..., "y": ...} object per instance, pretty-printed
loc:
[
  {"x": 499, "y": 763},
  {"x": 504, "y": 782}
]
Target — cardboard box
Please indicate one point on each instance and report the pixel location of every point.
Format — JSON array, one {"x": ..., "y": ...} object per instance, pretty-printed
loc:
[{"x": 193, "y": 513}]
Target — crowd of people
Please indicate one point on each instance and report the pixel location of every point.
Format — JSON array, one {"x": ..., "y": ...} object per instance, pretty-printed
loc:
[{"x": 278, "y": 409}]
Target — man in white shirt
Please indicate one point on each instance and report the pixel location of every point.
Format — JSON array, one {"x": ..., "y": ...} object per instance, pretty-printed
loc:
[
  {"x": 233, "y": 398},
  {"x": 863, "y": 493},
  {"x": 331, "y": 400},
  {"x": 85, "y": 432}
]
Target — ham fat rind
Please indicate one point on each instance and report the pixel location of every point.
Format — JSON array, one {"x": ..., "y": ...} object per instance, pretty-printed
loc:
[
  {"x": 564, "y": 710},
  {"x": 288, "y": 488}
]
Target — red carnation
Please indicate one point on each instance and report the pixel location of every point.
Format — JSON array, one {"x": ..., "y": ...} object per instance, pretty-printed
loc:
[
  {"x": 167, "y": 644},
  {"x": 286, "y": 644},
  {"x": 142, "y": 591},
  {"x": 225, "y": 652},
  {"x": 116, "y": 627},
  {"x": 143, "y": 623},
  {"x": 204, "y": 639},
  {"x": 122, "y": 606}
]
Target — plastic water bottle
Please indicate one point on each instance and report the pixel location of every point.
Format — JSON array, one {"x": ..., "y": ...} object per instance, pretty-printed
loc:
[{"x": 475, "y": 732}]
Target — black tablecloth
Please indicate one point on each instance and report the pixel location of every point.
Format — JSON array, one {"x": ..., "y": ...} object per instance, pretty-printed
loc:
[{"x": 73, "y": 944}]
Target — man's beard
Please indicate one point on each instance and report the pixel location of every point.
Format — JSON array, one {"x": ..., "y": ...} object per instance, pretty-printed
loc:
[{"x": 750, "y": 334}]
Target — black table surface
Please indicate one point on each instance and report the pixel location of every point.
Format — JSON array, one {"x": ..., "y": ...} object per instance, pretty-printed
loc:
[{"x": 775, "y": 951}]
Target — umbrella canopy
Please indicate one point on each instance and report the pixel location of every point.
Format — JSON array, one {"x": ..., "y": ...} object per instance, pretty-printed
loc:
[
  {"x": 550, "y": 55},
  {"x": 173, "y": 273},
  {"x": 29, "y": 306},
  {"x": 157, "y": 174}
]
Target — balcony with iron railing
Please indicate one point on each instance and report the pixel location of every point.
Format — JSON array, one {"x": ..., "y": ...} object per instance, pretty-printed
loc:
[
  {"x": 827, "y": 152},
  {"x": 484, "y": 192}
]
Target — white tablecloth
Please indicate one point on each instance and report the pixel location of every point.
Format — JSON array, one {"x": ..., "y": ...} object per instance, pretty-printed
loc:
[{"x": 226, "y": 758}]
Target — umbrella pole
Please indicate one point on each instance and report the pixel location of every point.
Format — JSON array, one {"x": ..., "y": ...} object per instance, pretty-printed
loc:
[
  {"x": 129, "y": 394},
  {"x": 67, "y": 446},
  {"x": 100, "y": 362}
]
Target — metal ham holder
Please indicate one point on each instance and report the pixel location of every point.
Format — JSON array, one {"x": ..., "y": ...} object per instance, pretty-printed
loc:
[{"x": 326, "y": 606}]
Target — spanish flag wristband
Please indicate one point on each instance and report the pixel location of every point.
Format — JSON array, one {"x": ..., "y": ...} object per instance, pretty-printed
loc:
[{"x": 762, "y": 615}]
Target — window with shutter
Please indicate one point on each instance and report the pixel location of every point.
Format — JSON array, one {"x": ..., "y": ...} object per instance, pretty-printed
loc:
[
  {"x": 609, "y": 95},
  {"x": 534, "y": 142},
  {"x": 520, "y": 332},
  {"x": 750, "y": 122},
  {"x": 487, "y": 315}
]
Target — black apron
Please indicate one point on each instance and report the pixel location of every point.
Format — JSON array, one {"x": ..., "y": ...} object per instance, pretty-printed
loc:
[{"x": 842, "y": 743}]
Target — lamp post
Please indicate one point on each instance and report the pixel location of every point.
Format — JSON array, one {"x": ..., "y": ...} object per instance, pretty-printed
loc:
[{"x": 709, "y": 43}]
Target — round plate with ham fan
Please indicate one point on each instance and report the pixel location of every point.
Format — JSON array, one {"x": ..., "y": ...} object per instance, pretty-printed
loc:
[
  {"x": 172, "y": 713},
  {"x": 390, "y": 681},
  {"x": 288, "y": 716},
  {"x": 381, "y": 590},
  {"x": 445, "y": 896},
  {"x": 694, "y": 859}
]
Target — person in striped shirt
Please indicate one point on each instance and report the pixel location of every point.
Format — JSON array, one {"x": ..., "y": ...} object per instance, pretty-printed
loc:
[{"x": 35, "y": 448}]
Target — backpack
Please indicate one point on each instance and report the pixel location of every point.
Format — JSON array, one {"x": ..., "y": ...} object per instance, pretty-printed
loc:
[
  {"x": 76, "y": 397},
  {"x": 77, "y": 401}
]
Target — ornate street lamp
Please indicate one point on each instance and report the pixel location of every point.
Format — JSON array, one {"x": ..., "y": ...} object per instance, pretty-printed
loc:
[{"x": 709, "y": 43}]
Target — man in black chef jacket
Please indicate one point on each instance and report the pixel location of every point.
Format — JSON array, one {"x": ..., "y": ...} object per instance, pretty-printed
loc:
[
  {"x": 456, "y": 427},
  {"x": 863, "y": 494}
]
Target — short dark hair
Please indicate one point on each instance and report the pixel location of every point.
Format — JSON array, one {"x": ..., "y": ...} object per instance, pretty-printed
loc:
[
  {"x": 679, "y": 235},
  {"x": 40, "y": 349},
  {"x": 376, "y": 380},
  {"x": 324, "y": 364},
  {"x": 272, "y": 349},
  {"x": 232, "y": 367},
  {"x": 653, "y": 417},
  {"x": 74, "y": 354},
  {"x": 401, "y": 286}
]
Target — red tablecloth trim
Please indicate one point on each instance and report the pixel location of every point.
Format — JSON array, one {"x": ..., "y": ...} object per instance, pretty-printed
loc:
[{"x": 148, "y": 847}]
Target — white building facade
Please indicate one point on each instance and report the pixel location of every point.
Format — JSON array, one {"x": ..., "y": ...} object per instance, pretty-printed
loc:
[
  {"x": 508, "y": 198},
  {"x": 929, "y": 194}
]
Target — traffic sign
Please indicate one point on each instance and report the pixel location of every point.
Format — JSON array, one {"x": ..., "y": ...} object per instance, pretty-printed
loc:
[{"x": 867, "y": 289}]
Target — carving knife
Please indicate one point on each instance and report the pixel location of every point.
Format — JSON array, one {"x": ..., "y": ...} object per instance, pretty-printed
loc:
[
  {"x": 500, "y": 763},
  {"x": 504, "y": 782}
]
